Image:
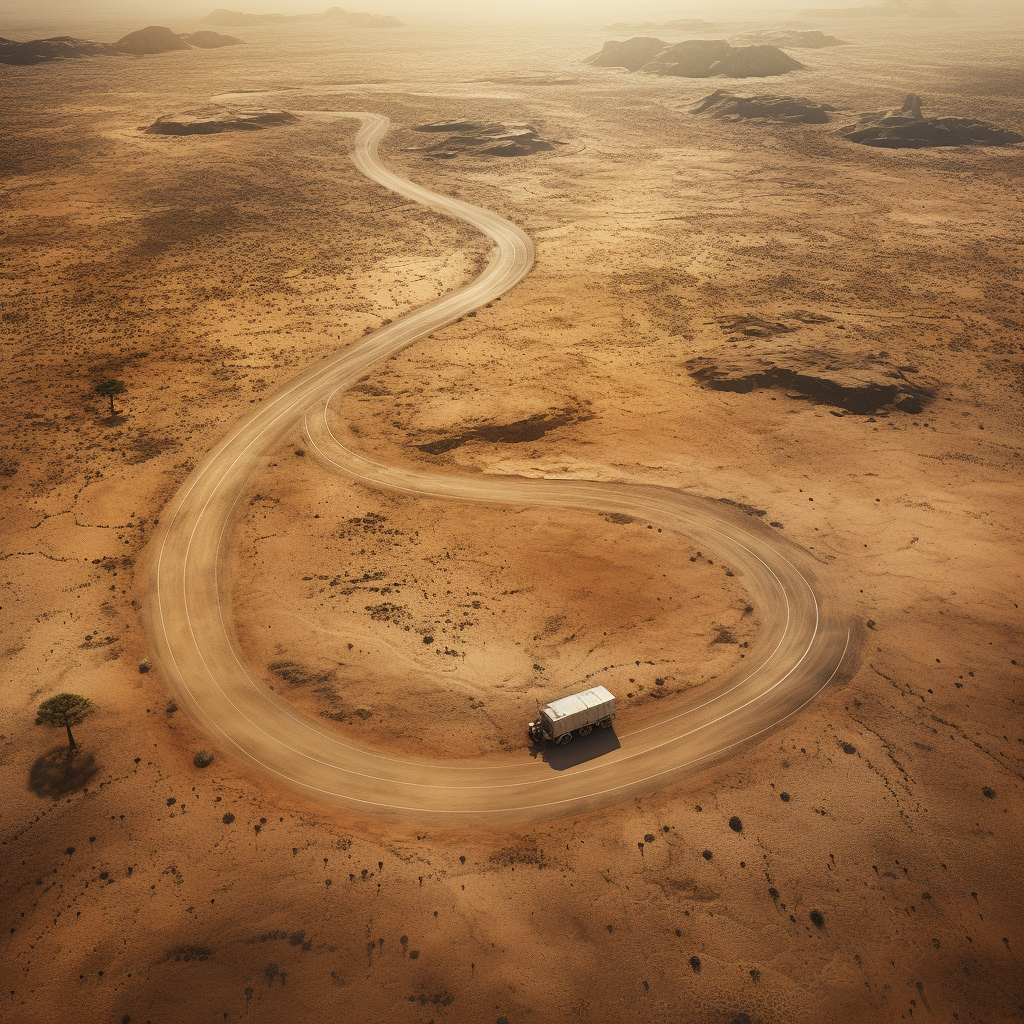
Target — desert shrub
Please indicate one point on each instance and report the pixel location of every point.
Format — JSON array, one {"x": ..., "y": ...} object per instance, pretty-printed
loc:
[
  {"x": 848, "y": 748},
  {"x": 707, "y": 855},
  {"x": 735, "y": 824},
  {"x": 228, "y": 818},
  {"x": 695, "y": 964},
  {"x": 817, "y": 919},
  {"x": 989, "y": 792},
  {"x": 784, "y": 797}
]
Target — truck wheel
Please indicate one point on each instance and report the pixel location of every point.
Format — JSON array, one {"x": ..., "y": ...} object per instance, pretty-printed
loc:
[
  {"x": 586, "y": 730},
  {"x": 564, "y": 738},
  {"x": 606, "y": 723}
]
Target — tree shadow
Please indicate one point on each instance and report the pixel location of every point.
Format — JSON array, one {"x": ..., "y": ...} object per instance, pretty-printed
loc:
[
  {"x": 61, "y": 771},
  {"x": 579, "y": 750}
]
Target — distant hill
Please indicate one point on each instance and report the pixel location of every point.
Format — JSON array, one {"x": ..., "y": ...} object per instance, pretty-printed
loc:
[
  {"x": 40, "y": 51},
  {"x": 695, "y": 58},
  {"x": 152, "y": 39},
  {"x": 207, "y": 40},
  {"x": 793, "y": 38},
  {"x": 889, "y": 9},
  {"x": 336, "y": 15},
  {"x": 149, "y": 40}
]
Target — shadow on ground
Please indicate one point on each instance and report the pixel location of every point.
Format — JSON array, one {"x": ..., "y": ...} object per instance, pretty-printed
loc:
[
  {"x": 579, "y": 750},
  {"x": 61, "y": 771}
]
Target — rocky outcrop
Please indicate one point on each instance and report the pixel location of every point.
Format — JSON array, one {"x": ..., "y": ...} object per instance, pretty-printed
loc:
[
  {"x": 216, "y": 120},
  {"x": 814, "y": 376},
  {"x": 783, "y": 109},
  {"x": 695, "y": 58},
  {"x": 908, "y": 128},
  {"x": 488, "y": 139}
]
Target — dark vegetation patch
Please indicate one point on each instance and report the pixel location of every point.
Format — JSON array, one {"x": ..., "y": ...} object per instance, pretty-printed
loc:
[
  {"x": 735, "y": 824},
  {"x": 298, "y": 675},
  {"x": 533, "y": 428},
  {"x": 188, "y": 954},
  {"x": 524, "y": 852}
]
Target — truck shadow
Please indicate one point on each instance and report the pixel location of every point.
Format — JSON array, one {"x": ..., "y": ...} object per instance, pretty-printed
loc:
[{"x": 581, "y": 749}]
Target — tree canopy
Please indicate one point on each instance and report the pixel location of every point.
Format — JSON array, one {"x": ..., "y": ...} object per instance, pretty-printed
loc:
[
  {"x": 66, "y": 709},
  {"x": 108, "y": 389}
]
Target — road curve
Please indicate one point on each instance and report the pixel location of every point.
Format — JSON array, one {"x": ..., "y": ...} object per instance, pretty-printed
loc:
[{"x": 803, "y": 644}]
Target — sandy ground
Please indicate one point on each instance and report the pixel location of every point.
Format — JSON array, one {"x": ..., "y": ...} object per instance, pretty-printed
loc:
[{"x": 203, "y": 271}]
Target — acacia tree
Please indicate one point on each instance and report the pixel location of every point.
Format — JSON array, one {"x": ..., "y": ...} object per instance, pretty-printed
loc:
[
  {"x": 108, "y": 389},
  {"x": 65, "y": 709}
]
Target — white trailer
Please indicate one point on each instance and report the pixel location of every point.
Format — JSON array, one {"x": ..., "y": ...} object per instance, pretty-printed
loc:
[{"x": 579, "y": 712}]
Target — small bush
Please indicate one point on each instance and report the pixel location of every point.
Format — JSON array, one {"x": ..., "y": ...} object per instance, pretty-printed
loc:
[
  {"x": 989, "y": 792},
  {"x": 145, "y": 665},
  {"x": 848, "y": 748},
  {"x": 784, "y": 797},
  {"x": 707, "y": 855},
  {"x": 735, "y": 824},
  {"x": 817, "y": 919},
  {"x": 228, "y": 818},
  {"x": 695, "y": 964}
]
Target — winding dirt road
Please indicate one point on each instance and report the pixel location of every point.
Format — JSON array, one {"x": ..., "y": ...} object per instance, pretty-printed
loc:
[{"x": 803, "y": 644}]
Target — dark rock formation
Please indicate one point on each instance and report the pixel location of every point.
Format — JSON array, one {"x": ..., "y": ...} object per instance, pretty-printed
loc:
[
  {"x": 784, "y": 109},
  {"x": 860, "y": 390},
  {"x": 695, "y": 58},
  {"x": 217, "y": 120},
  {"x": 908, "y": 128},
  {"x": 207, "y": 40},
  {"x": 152, "y": 39},
  {"x": 39, "y": 51},
  {"x": 491, "y": 139}
]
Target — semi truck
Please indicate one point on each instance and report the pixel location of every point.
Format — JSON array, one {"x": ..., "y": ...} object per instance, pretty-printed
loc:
[{"x": 579, "y": 712}]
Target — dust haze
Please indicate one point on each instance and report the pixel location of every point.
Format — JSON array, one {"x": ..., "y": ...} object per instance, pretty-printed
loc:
[{"x": 377, "y": 375}]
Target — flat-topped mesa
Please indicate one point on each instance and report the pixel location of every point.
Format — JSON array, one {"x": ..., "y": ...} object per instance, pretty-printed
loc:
[
  {"x": 784, "y": 109},
  {"x": 486, "y": 139},
  {"x": 150, "y": 40},
  {"x": 219, "y": 119},
  {"x": 908, "y": 128},
  {"x": 695, "y": 58}
]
